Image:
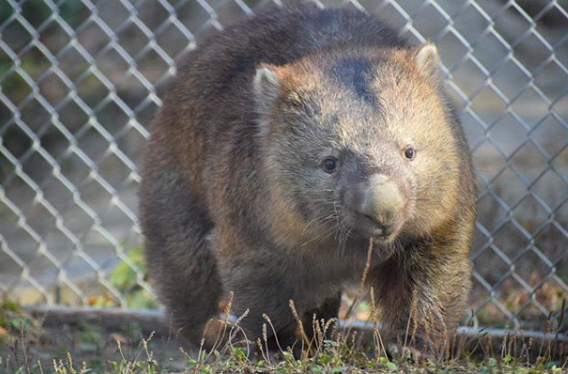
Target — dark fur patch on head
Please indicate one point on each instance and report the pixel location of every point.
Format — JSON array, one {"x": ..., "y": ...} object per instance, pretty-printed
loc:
[
  {"x": 355, "y": 73},
  {"x": 359, "y": 169}
]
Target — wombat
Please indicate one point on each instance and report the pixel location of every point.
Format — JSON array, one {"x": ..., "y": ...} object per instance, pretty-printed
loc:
[{"x": 287, "y": 145}]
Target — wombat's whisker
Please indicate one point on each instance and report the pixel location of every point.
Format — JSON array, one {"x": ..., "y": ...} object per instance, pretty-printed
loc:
[
  {"x": 318, "y": 220},
  {"x": 317, "y": 237},
  {"x": 331, "y": 232}
]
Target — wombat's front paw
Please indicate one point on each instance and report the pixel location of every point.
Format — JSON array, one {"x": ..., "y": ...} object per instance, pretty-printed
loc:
[{"x": 417, "y": 353}]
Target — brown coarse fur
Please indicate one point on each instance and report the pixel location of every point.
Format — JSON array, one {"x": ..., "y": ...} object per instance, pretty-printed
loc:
[{"x": 285, "y": 145}]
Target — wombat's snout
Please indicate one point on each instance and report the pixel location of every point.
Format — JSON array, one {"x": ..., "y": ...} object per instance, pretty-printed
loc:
[{"x": 378, "y": 206}]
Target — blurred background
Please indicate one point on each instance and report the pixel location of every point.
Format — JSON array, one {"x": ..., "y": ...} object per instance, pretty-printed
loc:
[{"x": 80, "y": 81}]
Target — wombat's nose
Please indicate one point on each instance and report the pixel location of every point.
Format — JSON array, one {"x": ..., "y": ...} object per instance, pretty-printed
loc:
[{"x": 380, "y": 201}]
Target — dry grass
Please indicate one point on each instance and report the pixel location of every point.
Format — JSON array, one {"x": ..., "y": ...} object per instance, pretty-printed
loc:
[{"x": 347, "y": 352}]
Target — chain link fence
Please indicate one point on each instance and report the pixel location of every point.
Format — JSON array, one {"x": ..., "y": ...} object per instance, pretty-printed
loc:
[{"x": 81, "y": 80}]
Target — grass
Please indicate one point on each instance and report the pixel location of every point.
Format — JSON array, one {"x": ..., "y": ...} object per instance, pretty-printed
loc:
[
  {"x": 27, "y": 347},
  {"x": 331, "y": 360}
]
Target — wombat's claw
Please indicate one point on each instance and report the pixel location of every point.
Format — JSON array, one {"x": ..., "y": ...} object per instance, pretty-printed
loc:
[{"x": 406, "y": 353}]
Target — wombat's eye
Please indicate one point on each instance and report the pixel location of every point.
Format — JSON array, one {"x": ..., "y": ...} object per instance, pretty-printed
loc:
[
  {"x": 409, "y": 153},
  {"x": 329, "y": 164}
]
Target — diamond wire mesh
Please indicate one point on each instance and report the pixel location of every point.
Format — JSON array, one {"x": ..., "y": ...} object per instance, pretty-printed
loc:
[{"x": 81, "y": 79}]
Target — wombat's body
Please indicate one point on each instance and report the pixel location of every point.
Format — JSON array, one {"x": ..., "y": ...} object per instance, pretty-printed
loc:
[{"x": 286, "y": 144}]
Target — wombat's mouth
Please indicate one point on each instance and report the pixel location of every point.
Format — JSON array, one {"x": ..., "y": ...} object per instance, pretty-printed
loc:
[
  {"x": 365, "y": 227},
  {"x": 386, "y": 234}
]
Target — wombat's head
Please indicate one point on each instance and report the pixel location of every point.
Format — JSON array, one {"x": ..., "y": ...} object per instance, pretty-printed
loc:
[{"x": 359, "y": 143}]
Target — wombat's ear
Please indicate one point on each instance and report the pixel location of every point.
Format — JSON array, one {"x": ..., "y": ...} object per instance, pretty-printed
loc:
[
  {"x": 266, "y": 86},
  {"x": 427, "y": 60}
]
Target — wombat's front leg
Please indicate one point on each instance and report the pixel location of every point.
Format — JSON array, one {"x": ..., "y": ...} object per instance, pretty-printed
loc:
[
  {"x": 259, "y": 293},
  {"x": 422, "y": 296},
  {"x": 261, "y": 285},
  {"x": 326, "y": 313}
]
